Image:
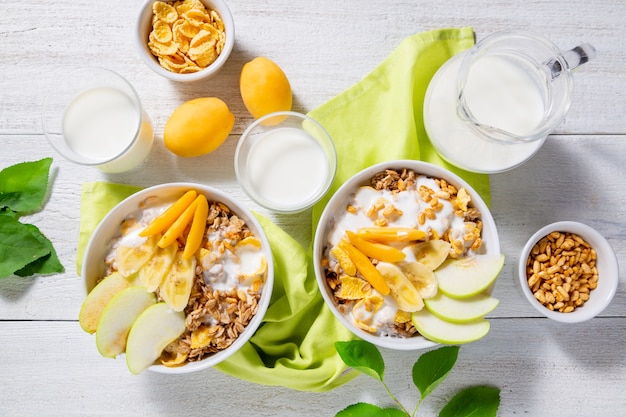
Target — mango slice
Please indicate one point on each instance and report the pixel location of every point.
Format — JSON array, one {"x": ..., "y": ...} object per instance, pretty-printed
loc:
[
  {"x": 390, "y": 234},
  {"x": 365, "y": 267},
  {"x": 169, "y": 216},
  {"x": 376, "y": 250}
]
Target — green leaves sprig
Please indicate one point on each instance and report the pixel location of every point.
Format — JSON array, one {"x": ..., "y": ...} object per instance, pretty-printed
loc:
[
  {"x": 428, "y": 372},
  {"x": 24, "y": 250}
]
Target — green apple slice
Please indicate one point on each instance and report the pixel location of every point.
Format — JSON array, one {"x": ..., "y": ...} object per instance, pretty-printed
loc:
[
  {"x": 118, "y": 317},
  {"x": 153, "y": 330},
  {"x": 99, "y": 297},
  {"x": 445, "y": 332},
  {"x": 467, "y": 277},
  {"x": 461, "y": 310}
]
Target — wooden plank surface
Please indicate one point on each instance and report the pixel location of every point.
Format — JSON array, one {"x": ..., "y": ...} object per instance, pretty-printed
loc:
[
  {"x": 542, "y": 368},
  {"x": 50, "y": 367}
]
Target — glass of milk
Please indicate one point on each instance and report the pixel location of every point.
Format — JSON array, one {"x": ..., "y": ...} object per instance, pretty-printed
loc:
[
  {"x": 489, "y": 109},
  {"x": 94, "y": 117},
  {"x": 285, "y": 161}
]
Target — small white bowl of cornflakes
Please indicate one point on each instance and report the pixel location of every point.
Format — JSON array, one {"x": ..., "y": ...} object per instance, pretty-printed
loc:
[{"x": 185, "y": 40}]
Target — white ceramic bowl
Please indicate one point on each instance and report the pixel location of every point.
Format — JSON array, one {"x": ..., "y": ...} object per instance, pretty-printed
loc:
[
  {"x": 285, "y": 161},
  {"x": 608, "y": 274},
  {"x": 94, "y": 266},
  {"x": 143, "y": 27},
  {"x": 337, "y": 204}
]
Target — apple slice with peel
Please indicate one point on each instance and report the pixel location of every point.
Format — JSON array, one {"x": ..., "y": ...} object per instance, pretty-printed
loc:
[
  {"x": 118, "y": 317},
  {"x": 99, "y": 297},
  {"x": 153, "y": 330},
  {"x": 461, "y": 310},
  {"x": 447, "y": 333},
  {"x": 467, "y": 277}
]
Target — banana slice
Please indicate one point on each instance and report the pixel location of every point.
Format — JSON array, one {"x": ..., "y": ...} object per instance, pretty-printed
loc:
[
  {"x": 431, "y": 253},
  {"x": 152, "y": 273},
  {"x": 131, "y": 258},
  {"x": 402, "y": 290},
  {"x": 177, "y": 284},
  {"x": 423, "y": 279}
]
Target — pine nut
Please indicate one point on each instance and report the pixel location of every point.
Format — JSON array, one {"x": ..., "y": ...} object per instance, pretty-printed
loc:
[{"x": 561, "y": 271}]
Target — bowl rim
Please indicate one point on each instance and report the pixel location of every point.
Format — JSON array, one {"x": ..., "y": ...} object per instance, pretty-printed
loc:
[
  {"x": 330, "y": 153},
  {"x": 342, "y": 194},
  {"x": 103, "y": 233},
  {"x": 607, "y": 264},
  {"x": 142, "y": 29}
]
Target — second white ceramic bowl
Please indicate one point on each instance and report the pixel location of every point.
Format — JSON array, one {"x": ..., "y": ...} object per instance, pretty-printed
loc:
[
  {"x": 337, "y": 204},
  {"x": 99, "y": 245},
  {"x": 608, "y": 272}
]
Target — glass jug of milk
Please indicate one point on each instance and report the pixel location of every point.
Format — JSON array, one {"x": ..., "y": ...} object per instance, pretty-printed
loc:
[{"x": 490, "y": 108}]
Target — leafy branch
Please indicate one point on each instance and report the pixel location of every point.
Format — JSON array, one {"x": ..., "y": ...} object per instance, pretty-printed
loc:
[{"x": 428, "y": 372}]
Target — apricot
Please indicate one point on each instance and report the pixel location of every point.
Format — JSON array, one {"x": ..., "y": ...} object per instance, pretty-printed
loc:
[
  {"x": 198, "y": 127},
  {"x": 264, "y": 87}
]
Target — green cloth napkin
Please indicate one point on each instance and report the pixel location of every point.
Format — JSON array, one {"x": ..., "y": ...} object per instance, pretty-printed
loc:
[{"x": 377, "y": 119}]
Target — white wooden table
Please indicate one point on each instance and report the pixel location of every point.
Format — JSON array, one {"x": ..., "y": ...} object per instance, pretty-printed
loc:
[{"x": 49, "y": 366}]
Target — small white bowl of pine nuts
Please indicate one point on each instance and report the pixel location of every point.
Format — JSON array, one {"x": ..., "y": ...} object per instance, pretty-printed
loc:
[{"x": 568, "y": 272}]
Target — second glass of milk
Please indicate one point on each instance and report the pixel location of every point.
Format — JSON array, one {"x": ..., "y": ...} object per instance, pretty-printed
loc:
[
  {"x": 94, "y": 117},
  {"x": 285, "y": 161},
  {"x": 490, "y": 109}
]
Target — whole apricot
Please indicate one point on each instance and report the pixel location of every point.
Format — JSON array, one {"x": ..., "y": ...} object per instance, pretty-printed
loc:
[
  {"x": 198, "y": 127},
  {"x": 264, "y": 87}
]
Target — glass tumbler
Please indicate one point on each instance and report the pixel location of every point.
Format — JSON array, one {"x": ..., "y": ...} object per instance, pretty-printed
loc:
[{"x": 94, "y": 117}]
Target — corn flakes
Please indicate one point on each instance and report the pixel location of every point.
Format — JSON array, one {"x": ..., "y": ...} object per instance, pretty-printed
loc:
[
  {"x": 353, "y": 288},
  {"x": 186, "y": 37}
]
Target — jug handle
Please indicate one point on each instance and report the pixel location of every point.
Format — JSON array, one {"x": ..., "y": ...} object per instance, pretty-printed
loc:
[{"x": 573, "y": 58}]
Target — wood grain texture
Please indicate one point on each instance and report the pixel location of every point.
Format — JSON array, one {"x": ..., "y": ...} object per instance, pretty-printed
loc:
[
  {"x": 537, "y": 364},
  {"x": 50, "y": 367}
]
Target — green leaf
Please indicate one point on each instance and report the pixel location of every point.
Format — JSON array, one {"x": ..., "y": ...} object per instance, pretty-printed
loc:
[
  {"x": 47, "y": 264},
  {"x": 362, "y": 356},
  {"x": 433, "y": 367},
  {"x": 394, "y": 412},
  {"x": 8, "y": 212},
  {"x": 18, "y": 246},
  {"x": 23, "y": 186},
  {"x": 369, "y": 410},
  {"x": 479, "y": 401}
]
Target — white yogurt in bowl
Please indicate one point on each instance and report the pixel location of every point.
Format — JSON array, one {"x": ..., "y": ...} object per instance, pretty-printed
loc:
[
  {"x": 226, "y": 265},
  {"x": 357, "y": 205}
]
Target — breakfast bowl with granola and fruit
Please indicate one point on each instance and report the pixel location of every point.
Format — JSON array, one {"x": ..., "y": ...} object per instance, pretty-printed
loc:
[
  {"x": 178, "y": 277},
  {"x": 406, "y": 254}
]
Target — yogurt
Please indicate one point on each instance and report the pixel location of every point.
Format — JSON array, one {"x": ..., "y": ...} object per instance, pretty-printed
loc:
[
  {"x": 370, "y": 207},
  {"x": 226, "y": 264}
]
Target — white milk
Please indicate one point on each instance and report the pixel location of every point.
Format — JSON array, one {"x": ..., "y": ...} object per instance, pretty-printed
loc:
[
  {"x": 500, "y": 94},
  {"x": 287, "y": 168},
  {"x": 102, "y": 124}
]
